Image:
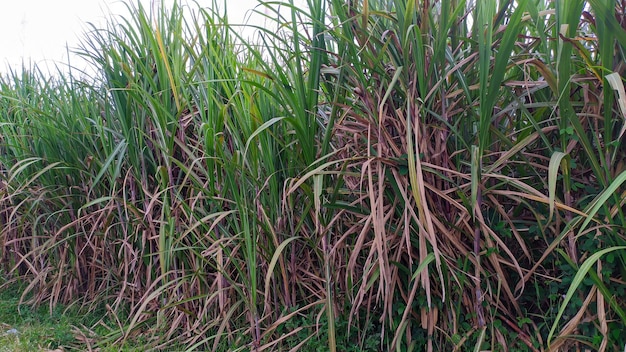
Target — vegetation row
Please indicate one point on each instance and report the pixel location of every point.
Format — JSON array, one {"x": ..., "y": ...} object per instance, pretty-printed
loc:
[{"x": 359, "y": 175}]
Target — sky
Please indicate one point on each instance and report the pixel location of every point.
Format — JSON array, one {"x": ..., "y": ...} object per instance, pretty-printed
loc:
[{"x": 38, "y": 31}]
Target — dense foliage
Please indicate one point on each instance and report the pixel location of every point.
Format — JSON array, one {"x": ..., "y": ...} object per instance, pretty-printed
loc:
[{"x": 360, "y": 175}]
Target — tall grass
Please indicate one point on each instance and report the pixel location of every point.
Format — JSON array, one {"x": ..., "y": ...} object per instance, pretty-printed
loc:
[{"x": 368, "y": 175}]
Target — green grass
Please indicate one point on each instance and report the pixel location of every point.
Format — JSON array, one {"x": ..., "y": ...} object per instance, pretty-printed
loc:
[
  {"x": 39, "y": 327},
  {"x": 376, "y": 175}
]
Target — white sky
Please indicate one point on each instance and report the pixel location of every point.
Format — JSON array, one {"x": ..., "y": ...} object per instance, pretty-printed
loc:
[{"x": 38, "y": 30}]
